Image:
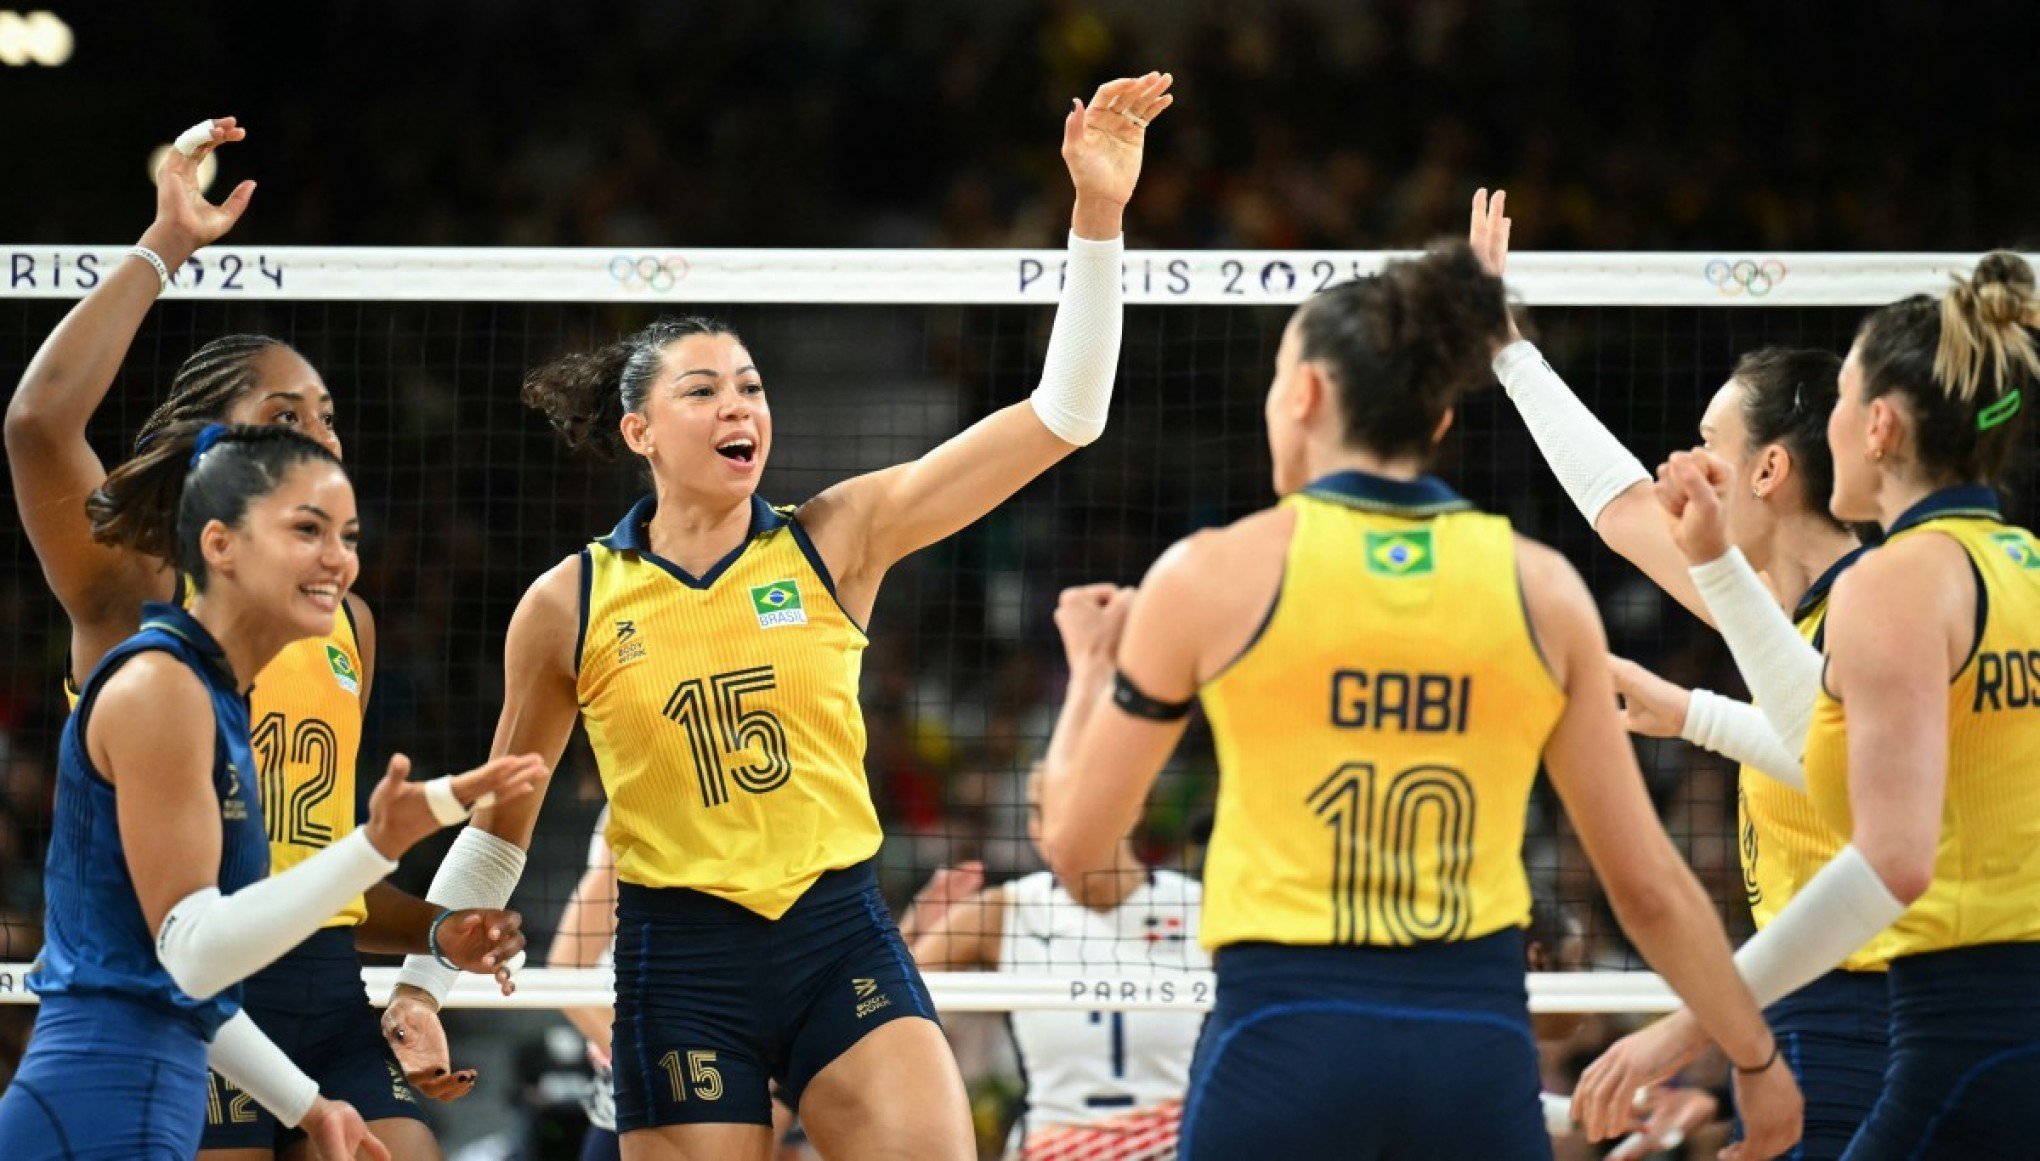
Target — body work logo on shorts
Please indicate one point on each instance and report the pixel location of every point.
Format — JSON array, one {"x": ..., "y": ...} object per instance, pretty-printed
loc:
[
  {"x": 869, "y": 999},
  {"x": 343, "y": 669},
  {"x": 778, "y": 604},
  {"x": 1400, "y": 553}
]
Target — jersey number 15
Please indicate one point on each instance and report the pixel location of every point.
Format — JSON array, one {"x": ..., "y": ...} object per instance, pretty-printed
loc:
[{"x": 712, "y": 712}]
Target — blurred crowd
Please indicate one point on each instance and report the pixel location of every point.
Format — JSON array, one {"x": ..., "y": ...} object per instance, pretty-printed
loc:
[{"x": 1880, "y": 125}]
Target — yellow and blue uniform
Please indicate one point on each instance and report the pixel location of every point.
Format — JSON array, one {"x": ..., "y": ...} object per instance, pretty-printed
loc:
[
  {"x": 752, "y": 944},
  {"x": 305, "y": 733},
  {"x": 1831, "y": 1033},
  {"x": 116, "y": 1067},
  {"x": 1364, "y": 886},
  {"x": 1965, "y": 972}
]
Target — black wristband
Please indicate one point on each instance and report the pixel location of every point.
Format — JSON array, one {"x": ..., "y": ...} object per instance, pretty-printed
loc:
[
  {"x": 1127, "y": 696},
  {"x": 1764, "y": 1067}
]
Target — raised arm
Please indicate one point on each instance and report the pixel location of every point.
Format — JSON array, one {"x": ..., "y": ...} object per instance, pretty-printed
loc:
[
  {"x": 865, "y": 525},
  {"x": 53, "y": 467},
  {"x": 1604, "y": 480},
  {"x": 1660, "y": 904}
]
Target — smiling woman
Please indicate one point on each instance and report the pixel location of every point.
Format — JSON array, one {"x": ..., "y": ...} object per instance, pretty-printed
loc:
[{"x": 724, "y": 715}]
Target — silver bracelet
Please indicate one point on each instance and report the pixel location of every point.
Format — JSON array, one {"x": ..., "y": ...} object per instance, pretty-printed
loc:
[{"x": 153, "y": 259}]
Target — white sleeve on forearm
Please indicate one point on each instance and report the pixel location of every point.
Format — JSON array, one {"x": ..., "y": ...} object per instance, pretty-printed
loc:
[
  {"x": 1781, "y": 669},
  {"x": 1840, "y": 909},
  {"x": 480, "y": 871},
  {"x": 251, "y": 1060},
  {"x": 1591, "y": 464},
  {"x": 1739, "y": 731},
  {"x": 1075, "y": 394},
  {"x": 209, "y": 940}
]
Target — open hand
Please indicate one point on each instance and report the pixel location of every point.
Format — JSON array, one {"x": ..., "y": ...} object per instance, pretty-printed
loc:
[
  {"x": 1606, "y": 1100},
  {"x": 338, "y": 1133},
  {"x": 1102, "y": 143},
  {"x": 399, "y": 814},
  {"x": 411, "y": 1027}
]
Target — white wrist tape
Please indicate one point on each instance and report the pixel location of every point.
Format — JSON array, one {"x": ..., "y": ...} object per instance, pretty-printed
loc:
[
  {"x": 480, "y": 871},
  {"x": 446, "y": 806},
  {"x": 1739, "y": 731},
  {"x": 1839, "y": 910},
  {"x": 189, "y": 141},
  {"x": 209, "y": 940},
  {"x": 1083, "y": 347},
  {"x": 240, "y": 1052},
  {"x": 1591, "y": 464},
  {"x": 1557, "y": 1114},
  {"x": 1781, "y": 669}
]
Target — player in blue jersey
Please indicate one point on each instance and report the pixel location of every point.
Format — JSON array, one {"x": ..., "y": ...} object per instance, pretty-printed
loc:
[{"x": 158, "y": 899}]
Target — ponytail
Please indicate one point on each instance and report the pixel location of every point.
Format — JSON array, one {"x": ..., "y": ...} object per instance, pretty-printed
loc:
[{"x": 585, "y": 395}]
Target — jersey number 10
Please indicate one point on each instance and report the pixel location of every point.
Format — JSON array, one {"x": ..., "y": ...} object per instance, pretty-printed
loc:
[
  {"x": 1379, "y": 834},
  {"x": 713, "y": 714}
]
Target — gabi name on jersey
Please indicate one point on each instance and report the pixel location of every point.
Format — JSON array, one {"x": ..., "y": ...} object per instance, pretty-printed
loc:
[{"x": 1413, "y": 703}]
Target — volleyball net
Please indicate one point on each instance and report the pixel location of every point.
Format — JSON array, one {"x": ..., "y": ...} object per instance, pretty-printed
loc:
[{"x": 870, "y": 357}]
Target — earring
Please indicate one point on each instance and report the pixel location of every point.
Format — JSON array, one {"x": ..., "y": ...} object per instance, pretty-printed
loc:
[{"x": 1876, "y": 453}]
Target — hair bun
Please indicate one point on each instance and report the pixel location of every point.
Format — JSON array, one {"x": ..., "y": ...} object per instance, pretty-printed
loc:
[{"x": 2003, "y": 286}]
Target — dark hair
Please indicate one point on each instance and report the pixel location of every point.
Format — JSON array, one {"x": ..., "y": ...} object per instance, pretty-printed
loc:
[
  {"x": 1403, "y": 346},
  {"x": 208, "y": 383},
  {"x": 1550, "y": 922},
  {"x": 158, "y": 502},
  {"x": 1963, "y": 362},
  {"x": 1787, "y": 395},
  {"x": 585, "y": 394}
]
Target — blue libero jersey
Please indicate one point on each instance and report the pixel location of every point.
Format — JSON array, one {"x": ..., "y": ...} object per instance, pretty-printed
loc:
[{"x": 96, "y": 938}]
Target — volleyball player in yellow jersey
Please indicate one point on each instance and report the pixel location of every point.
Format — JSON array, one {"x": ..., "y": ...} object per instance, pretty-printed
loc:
[
  {"x": 1926, "y": 729},
  {"x": 308, "y": 702},
  {"x": 1768, "y": 424},
  {"x": 1383, "y": 669},
  {"x": 711, "y": 644}
]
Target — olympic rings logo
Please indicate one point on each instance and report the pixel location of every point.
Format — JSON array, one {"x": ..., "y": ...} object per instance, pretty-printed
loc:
[
  {"x": 648, "y": 271},
  {"x": 1745, "y": 276}
]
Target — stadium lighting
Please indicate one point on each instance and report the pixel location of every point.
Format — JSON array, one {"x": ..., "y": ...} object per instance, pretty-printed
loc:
[{"x": 40, "y": 38}]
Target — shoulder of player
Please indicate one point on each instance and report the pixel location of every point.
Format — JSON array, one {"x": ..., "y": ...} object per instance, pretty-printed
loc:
[
  {"x": 556, "y": 593},
  {"x": 1190, "y": 563},
  {"x": 156, "y": 696},
  {"x": 1918, "y": 572}
]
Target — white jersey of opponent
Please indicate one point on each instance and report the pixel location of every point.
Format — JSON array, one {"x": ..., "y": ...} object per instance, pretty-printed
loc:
[{"x": 1086, "y": 1067}]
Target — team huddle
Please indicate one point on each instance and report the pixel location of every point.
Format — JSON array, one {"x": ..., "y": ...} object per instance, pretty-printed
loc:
[{"x": 1385, "y": 670}]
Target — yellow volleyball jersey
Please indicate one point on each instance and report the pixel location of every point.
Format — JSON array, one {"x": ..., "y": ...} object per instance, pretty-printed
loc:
[
  {"x": 723, "y": 714},
  {"x": 1378, "y": 740},
  {"x": 305, "y": 721},
  {"x": 1986, "y": 886},
  {"x": 1784, "y": 843}
]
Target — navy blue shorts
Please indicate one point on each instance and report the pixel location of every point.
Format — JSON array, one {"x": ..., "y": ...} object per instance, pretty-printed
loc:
[
  {"x": 714, "y": 1002},
  {"x": 1833, "y": 1034},
  {"x": 1368, "y": 1054},
  {"x": 601, "y": 1145},
  {"x": 1965, "y": 1058},
  {"x": 312, "y": 1003},
  {"x": 106, "y": 1078}
]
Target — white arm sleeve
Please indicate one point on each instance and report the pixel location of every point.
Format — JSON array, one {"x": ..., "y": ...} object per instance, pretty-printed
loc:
[
  {"x": 1591, "y": 464},
  {"x": 1839, "y": 910},
  {"x": 240, "y": 1052},
  {"x": 1739, "y": 731},
  {"x": 1782, "y": 670},
  {"x": 209, "y": 940},
  {"x": 480, "y": 871},
  {"x": 1083, "y": 347}
]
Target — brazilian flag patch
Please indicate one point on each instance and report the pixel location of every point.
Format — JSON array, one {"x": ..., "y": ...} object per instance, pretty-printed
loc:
[
  {"x": 1400, "y": 553},
  {"x": 778, "y": 604},
  {"x": 2018, "y": 547},
  {"x": 343, "y": 669}
]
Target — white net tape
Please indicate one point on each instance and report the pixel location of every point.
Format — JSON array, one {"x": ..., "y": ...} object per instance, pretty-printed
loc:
[
  {"x": 1152, "y": 277},
  {"x": 550, "y": 988}
]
